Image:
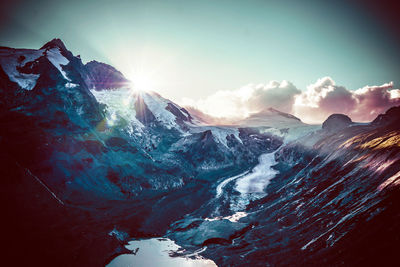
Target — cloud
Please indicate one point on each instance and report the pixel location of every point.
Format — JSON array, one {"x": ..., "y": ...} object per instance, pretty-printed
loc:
[
  {"x": 313, "y": 105},
  {"x": 209, "y": 119},
  {"x": 374, "y": 100},
  {"x": 321, "y": 99},
  {"x": 237, "y": 104},
  {"x": 325, "y": 97}
]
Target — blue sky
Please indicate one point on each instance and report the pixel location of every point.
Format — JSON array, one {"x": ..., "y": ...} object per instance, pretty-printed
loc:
[{"x": 195, "y": 48}]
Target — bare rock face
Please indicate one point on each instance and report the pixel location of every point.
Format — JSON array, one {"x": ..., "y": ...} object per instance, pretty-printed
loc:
[
  {"x": 102, "y": 76},
  {"x": 336, "y": 122},
  {"x": 200, "y": 233},
  {"x": 391, "y": 116}
]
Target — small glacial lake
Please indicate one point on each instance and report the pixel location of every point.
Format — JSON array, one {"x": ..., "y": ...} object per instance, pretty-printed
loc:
[{"x": 157, "y": 252}]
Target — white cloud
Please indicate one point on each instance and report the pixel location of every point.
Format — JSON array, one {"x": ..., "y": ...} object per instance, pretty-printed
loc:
[
  {"x": 313, "y": 105},
  {"x": 251, "y": 98},
  {"x": 321, "y": 99},
  {"x": 325, "y": 97}
]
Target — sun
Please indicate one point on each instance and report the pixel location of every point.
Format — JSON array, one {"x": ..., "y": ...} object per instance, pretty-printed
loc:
[{"x": 141, "y": 81}]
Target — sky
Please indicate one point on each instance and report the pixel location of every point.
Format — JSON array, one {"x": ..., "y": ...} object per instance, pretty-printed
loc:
[{"x": 191, "y": 51}]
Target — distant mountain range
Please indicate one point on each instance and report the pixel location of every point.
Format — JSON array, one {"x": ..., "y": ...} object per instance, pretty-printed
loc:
[{"x": 83, "y": 153}]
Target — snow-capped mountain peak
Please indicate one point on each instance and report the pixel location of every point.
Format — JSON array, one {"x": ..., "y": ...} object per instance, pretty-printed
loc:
[
  {"x": 25, "y": 66},
  {"x": 144, "y": 109},
  {"x": 271, "y": 117},
  {"x": 55, "y": 43}
]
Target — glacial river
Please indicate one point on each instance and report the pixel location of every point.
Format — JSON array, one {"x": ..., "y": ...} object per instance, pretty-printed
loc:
[{"x": 164, "y": 252}]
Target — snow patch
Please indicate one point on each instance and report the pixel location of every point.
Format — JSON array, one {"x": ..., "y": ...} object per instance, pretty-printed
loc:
[
  {"x": 9, "y": 62},
  {"x": 58, "y": 60},
  {"x": 157, "y": 105},
  {"x": 220, "y": 134},
  {"x": 25, "y": 81},
  {"x": 71, "y": 85},
  {"x": 232, "y": 218},
  {"x": 120, "y": 107}
]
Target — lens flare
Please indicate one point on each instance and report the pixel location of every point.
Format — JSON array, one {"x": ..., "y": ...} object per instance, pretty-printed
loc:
[{"x": 141, "y": 81}]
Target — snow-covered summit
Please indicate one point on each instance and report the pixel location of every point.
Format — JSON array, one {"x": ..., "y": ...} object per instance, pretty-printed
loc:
[
  {"x": 271, "y": 117},
  {"x": 144, "y": 109},
  {"x": 25, "y": 66},
  {"x": 55, "y": 43}
]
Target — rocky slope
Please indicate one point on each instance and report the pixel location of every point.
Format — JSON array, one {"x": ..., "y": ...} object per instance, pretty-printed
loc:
[
  {"x": 101, "y": 76},
  {"x": 333, "y": 201}
]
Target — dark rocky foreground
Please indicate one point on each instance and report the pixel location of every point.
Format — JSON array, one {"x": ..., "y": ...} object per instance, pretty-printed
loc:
[{"x": 74, "y": 167}]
